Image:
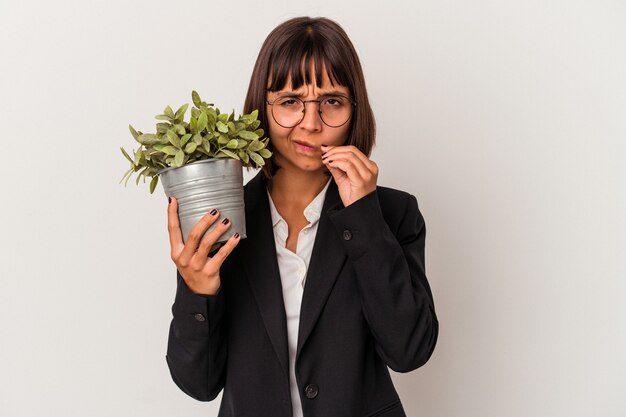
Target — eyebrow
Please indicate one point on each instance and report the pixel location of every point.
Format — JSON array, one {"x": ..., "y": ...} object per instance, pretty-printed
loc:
[{"x": 290, "y": 93}]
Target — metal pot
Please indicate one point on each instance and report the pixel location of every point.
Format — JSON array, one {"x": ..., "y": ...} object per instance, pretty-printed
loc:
[{"x": 204, "y": 185}]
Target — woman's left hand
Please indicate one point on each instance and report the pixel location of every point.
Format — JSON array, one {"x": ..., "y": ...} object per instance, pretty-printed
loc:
[{"x": 354, "y": 173}]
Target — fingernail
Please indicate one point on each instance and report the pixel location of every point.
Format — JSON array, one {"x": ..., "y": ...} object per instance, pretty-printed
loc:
[
  {"x": 213, "y": 212},
  {"x": 169, "y": 200},
  {"x": 225, "y": 221},
  {"x": 236, "y": 235}
]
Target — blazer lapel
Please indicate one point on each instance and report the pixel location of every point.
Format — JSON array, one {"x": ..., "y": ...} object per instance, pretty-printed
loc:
[
  {"x": 327, "y": 260},
  {"x": 261, "y": 265}
]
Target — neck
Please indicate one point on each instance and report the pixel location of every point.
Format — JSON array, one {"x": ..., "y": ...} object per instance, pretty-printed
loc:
[{"x": 296, "y": 188}]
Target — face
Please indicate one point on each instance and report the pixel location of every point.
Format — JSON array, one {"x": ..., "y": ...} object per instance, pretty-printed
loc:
[{"x": 298, "y": 148}]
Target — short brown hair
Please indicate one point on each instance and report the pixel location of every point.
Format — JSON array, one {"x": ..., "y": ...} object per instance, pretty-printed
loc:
[{"x": 323, "y": 42}]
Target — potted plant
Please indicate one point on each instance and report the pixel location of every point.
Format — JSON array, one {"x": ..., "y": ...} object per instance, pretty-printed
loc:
[{"x": 200, "y": 162}]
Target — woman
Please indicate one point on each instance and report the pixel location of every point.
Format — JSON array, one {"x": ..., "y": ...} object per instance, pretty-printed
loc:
[{"x": 304, "y": 316}]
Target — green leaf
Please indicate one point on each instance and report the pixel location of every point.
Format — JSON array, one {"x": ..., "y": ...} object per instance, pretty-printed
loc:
[
  {"x": 164, "y": 117},
  {"x": 181, "y": 111},
  {"x": 127, "y": 156},
  {"x": 139, "y": 176},
  {"x": 180, "y": 129},
  {"x": 170, "y": 150},
  {"x": 193, "y": 125},
  {"x": 255, "y": 145},
  {"x": 244, "y": 134},
  {"x": 244, "y": 156},
  {"x": 190, "y": 147},
  {"x": 133, "y": 131},
  {"x": 147, "y": 139},
  {"x": 126, "y": 174},
  {"x": 223, "y": 117},
  {"x": 250, "y": 118},
  {"x": 202, "y": 121},
  {"x": 173, "y": 138},
  {"x": 153, "y": 183},
  {"x": 223, "y": 139},
  {"x": 256, "y": 158},
  {"x": 185, "y": 139},
  {"x": 206, "y": 145},
  {"x": 195, "y": 97},
  {"x": 241, "y": 143},
  {"x": 265, "y": 153},
  {"x": 232, "y": 144},
  {"x": 178, "y": 159},
  {"x": 221, "y": 126},
  {"x": 169, "y": 112},
  {"x": 163, "y": 127},
  {"x": 212, "y": 114},
  {"x": 228, "y": 153}
]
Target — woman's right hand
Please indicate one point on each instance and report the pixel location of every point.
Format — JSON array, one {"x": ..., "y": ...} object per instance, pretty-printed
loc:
[{"x": 200, "y": 272}]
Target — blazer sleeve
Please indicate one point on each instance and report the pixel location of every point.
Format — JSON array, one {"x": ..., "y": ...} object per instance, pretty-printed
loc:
[
  {"x": 196, "y": 347},
  {"x": 395, "y": 295}
]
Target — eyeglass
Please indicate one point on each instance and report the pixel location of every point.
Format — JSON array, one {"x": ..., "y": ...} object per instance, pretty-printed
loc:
[{"x": 335, "y": 110}]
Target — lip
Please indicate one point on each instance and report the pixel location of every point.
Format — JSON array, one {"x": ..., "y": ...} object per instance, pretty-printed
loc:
[{"x": 306, "y": 147}]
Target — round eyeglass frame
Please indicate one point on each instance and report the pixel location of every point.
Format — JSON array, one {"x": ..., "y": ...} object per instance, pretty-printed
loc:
[{"x": 319, "y": 111}]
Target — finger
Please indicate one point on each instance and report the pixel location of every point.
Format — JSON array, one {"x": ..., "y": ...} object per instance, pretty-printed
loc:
[
  {"x": 353, "y": 150},
  {"x": 217, "y": 260},
  {"x": 209, "y": 241},
  {"x": 196, "y": 233},
  {"x": 354, "y": 176},
  {"x": 215, "y": 247},
  {"x": 337, "y": 174},
  {"x": 173, "y": 228},
  {"x": 360, "y": 172}
]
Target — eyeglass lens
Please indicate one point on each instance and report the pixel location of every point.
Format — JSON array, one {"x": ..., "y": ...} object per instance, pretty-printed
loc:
[{"x": 289, "y": 111}]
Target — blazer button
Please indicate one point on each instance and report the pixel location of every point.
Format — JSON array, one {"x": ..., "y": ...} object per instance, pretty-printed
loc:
[
  {"x": 311, "y": 391},
  {"x": 199, "y": 317},
  {"x": 347, "y": 235}
]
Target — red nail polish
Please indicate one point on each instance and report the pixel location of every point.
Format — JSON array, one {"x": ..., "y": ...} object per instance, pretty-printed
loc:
[
  {"x": 225, "y": 221},
  {"x": 236, "y": 235}
]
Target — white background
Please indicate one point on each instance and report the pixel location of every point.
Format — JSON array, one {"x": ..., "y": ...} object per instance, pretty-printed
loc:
[{"x": 507, "y": 120}]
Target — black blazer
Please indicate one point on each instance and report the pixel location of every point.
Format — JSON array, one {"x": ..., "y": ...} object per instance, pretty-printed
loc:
[{"x": 366, "y": 306}]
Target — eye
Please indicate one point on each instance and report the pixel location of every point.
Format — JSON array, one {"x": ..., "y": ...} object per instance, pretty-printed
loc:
[
  {"x": 333, "y": 101},
  {"x": 287, "y": 102}
]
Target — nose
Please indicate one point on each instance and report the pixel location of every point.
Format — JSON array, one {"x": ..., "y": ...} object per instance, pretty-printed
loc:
[{"x": 312, "y": 117}]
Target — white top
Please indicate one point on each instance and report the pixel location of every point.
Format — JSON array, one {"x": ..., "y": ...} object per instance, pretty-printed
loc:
[{"x": 293, "y": 269}]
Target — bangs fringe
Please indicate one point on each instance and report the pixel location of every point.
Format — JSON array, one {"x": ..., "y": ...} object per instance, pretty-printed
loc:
[{"x": 294, "y": 60}]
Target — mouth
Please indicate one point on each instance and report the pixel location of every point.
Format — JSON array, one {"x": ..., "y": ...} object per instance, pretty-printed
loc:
[{"x": 305, "y": 146}]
